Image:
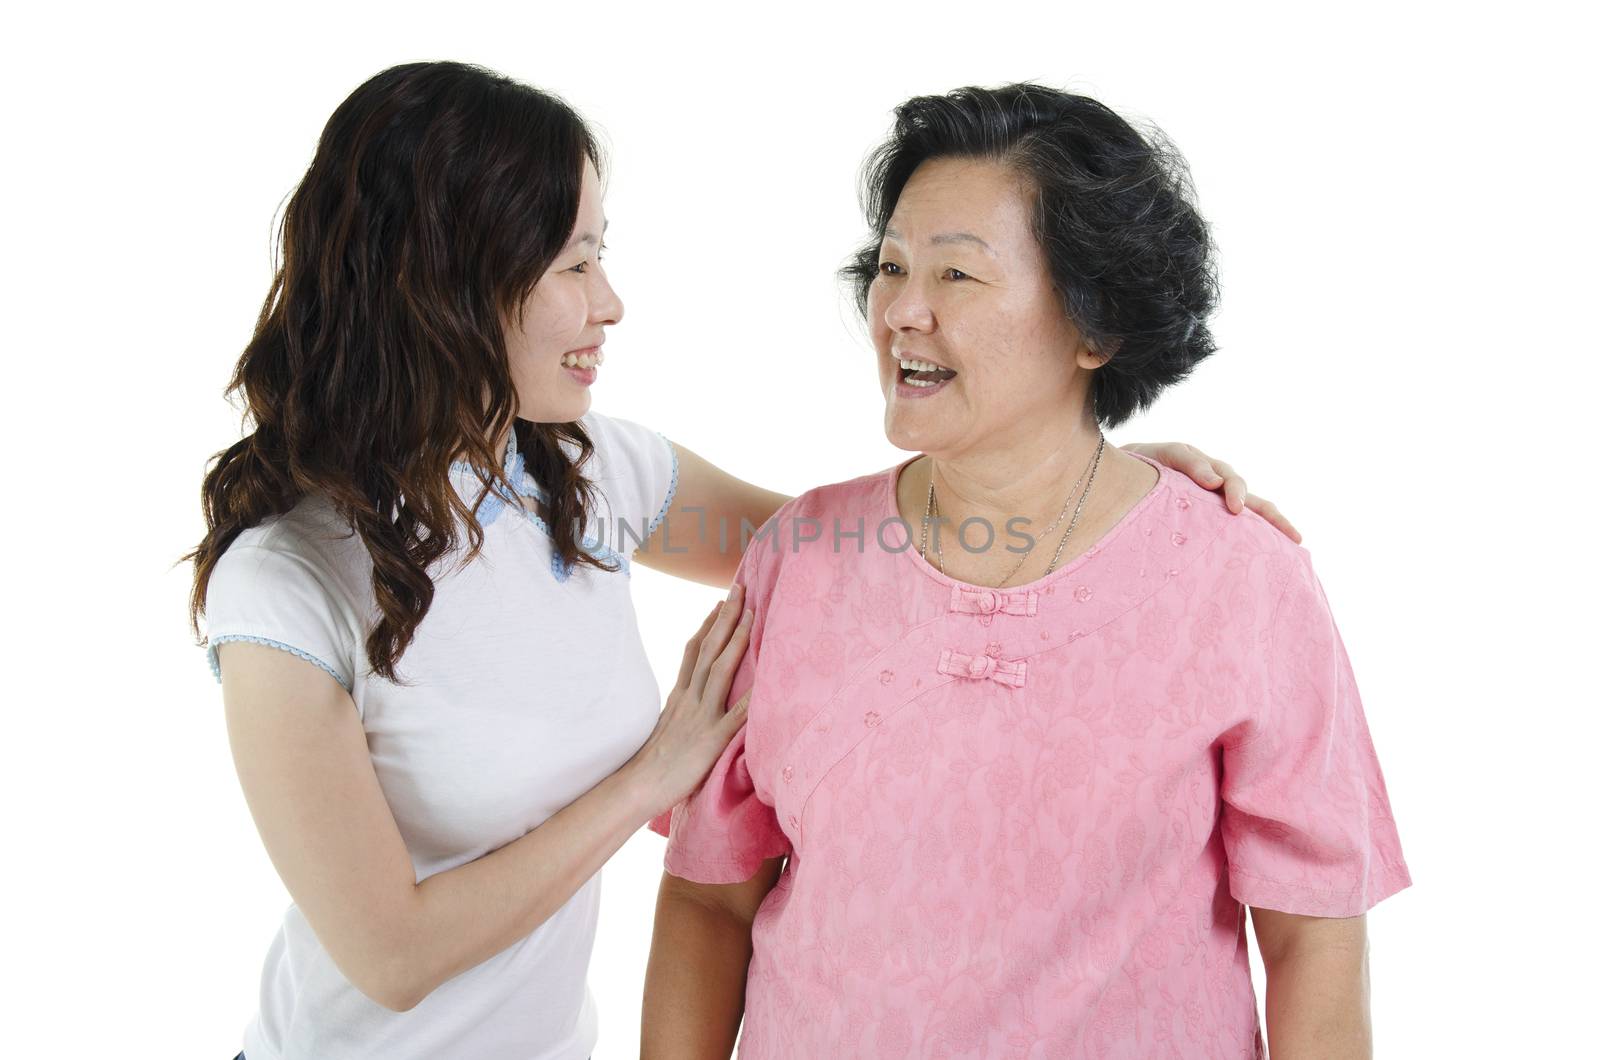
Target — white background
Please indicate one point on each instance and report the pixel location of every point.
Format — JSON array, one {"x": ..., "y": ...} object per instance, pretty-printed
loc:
[{"x": 1404, "y": 197}]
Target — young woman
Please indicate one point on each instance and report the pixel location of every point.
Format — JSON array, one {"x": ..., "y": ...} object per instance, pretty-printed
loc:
[{"x": 438, "y": 703}]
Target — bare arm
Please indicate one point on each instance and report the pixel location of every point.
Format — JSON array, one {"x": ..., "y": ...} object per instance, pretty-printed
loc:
[
  {"x": 1318, "y": 985},
  {"x": 689, "y": 541},
  {"x": 302, "y": 759},
  {"x": 694, "y": 987}
]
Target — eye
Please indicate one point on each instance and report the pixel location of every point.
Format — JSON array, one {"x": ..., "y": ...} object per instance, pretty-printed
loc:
[
  {"x": 956, "y": 274},
  {"x": 888, "y": 268},
  {"x": 582, "y": 267}
]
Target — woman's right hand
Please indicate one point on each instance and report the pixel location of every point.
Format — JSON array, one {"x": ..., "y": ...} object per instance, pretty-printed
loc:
[{"x": 694, "y": 728}]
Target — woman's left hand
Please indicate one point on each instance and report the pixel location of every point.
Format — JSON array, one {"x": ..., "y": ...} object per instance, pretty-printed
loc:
[{"x": 1214, "y": 475}]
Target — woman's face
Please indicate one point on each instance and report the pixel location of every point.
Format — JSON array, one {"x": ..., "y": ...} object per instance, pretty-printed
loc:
[
  {"x": 963, "y": 285},
  {"x": 554, "y": 349}
]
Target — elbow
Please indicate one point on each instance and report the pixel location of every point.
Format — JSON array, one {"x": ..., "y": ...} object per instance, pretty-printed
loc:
[
  {"x": 403, "y": 1002},
  {"x": 395, "y": 992},
  {"x": 394, "y": 976},
  {"x": 733, "y": 905},
  {"x": 405, "y": 978},
  {"x": 393, "y": 1000},
  {"x": 401, "y": 996}
]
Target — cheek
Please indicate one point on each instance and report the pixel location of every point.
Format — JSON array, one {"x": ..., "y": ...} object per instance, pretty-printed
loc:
[
  {"x": 1048, "y": 325},
  {"x": 1026, "y": 335},
  {"x": 881, "y": 336},
  {"x": 1004, "y": 362},
  {"x": 552, "y": 319},
  {"x": 874, "y": 310}
]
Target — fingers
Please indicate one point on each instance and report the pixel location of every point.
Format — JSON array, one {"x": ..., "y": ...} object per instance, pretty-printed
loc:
[
  {"x": 1181, "y": 456},
  {"x": 716, "y": 638},
  {"x": 1214, "y": 475},
  {"x": 1269, "y": 511},
  {"x": 719, "y": 678},
  {"x": 691, "y": 650},
  {"x": 1233, "y": 487},
  {"x": 736, "y": 715},
  {"x": 1235, "y": 494}
]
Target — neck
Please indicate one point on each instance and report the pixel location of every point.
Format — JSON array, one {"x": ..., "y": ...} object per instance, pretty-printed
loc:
[{"x": 1031, "y": 481}]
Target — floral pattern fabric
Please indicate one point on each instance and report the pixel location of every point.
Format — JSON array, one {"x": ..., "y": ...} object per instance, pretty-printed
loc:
[{"x": 1024, "y": 822}]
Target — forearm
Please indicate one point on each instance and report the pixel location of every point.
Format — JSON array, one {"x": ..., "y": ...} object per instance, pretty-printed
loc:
[
  {"x": 463, "y": 917},
  {"x": 704, "y": 543},
  {"x": 1317, "y": 1006},
  {"x": 701, "y": 538},
  {"x": 694, "y": 986}
]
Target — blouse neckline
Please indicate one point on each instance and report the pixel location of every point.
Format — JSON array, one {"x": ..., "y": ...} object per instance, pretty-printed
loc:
[
  {"x": 890, "y": 510},
  {"x": 497, "y": 502}
]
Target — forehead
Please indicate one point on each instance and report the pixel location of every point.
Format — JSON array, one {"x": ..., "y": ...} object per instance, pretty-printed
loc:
[
  {"x": 592, "y": 193},
  {"x": 980, "y": 196},
  {"x": 590, "y": 224}
]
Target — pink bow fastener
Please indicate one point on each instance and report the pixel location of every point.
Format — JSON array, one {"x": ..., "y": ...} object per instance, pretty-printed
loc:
[
  {"x": 990, "y": 601},
  {"x": 1012, "y": 672}
]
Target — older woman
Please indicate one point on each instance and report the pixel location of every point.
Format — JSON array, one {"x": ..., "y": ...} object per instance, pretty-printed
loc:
[{"x": 1006, "y": 790}]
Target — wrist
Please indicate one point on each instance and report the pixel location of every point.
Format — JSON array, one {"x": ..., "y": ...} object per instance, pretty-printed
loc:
[{"x": 640, "y": 790}]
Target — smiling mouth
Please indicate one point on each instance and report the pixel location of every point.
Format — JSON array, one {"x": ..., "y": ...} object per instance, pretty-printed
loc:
[
  {"x": 922, "y": 373},
  {"x": 590, "y": 359}
]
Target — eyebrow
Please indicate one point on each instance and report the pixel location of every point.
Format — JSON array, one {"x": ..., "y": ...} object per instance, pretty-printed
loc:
[
  {"x": 944, "y": 237},
  {"x": 587, "y": 237}
]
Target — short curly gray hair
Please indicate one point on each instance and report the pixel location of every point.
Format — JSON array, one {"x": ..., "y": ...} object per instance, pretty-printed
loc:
[{"x": 1128, "y": 252}]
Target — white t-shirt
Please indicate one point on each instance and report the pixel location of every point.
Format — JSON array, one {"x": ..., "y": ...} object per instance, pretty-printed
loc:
[{"x": 528, "y": 684}]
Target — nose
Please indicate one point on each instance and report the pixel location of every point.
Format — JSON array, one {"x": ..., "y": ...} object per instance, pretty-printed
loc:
[
  {"x": 604, "y": 307},
  {"x": 908, "y": 311}
]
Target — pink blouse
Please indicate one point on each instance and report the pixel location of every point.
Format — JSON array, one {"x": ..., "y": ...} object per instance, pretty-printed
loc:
[{"x": 1024, "y": 822}]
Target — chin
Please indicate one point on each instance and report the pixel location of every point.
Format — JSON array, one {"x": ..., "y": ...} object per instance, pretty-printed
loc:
[
  {"x": 557, "y": 412},
  {"x": 896, "y": 433}
]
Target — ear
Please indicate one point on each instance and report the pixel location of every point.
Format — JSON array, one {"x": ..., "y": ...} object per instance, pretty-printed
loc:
[{"x": 1094, "y": 354}]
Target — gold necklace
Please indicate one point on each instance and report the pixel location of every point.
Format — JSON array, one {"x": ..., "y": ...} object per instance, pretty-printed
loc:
[{"x": 1091, "y": 471}]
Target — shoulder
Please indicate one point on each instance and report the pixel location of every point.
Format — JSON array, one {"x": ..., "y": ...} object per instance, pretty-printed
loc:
[
  {"x": 621, "y": 444},
  {"x": 309, "y": 545},
  {"x": 281, "y": 584},
  {"x": 617, "y": 431},
  {"x": 859, "y": 497},
  {"x": 634, "y": 466},
  {"x": 1242, "y": 552},
  {"x": 824, "y": 523}
]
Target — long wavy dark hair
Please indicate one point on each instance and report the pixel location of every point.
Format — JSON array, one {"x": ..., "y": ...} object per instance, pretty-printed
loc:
[{"x": 438, "y": 196}]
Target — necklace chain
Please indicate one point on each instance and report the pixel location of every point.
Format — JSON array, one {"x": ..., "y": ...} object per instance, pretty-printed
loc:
[{"x": 1091, "y": 471}]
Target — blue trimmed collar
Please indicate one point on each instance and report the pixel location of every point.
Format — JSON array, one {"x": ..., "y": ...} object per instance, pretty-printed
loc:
[{"x": 517, "y": 473}]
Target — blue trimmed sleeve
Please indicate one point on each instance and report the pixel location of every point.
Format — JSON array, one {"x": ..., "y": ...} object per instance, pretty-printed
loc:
[
  {"x": 273, "y": 597},
  {"x": 639, "y": 476}
]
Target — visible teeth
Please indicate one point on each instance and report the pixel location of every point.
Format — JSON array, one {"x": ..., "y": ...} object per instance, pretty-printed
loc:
[
  {"x": 587, "y": 360},
  {"x": 918, "y": 366},
  {"x": 923, "y": 382}
]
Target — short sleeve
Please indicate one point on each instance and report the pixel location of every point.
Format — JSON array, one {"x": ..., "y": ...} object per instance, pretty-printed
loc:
[
  {"x": 638, "y": 472},
  {"x": 1306, "y": 823},
  {"x": 277, "y": 598},
  {"x": 724, "y": 831}
]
